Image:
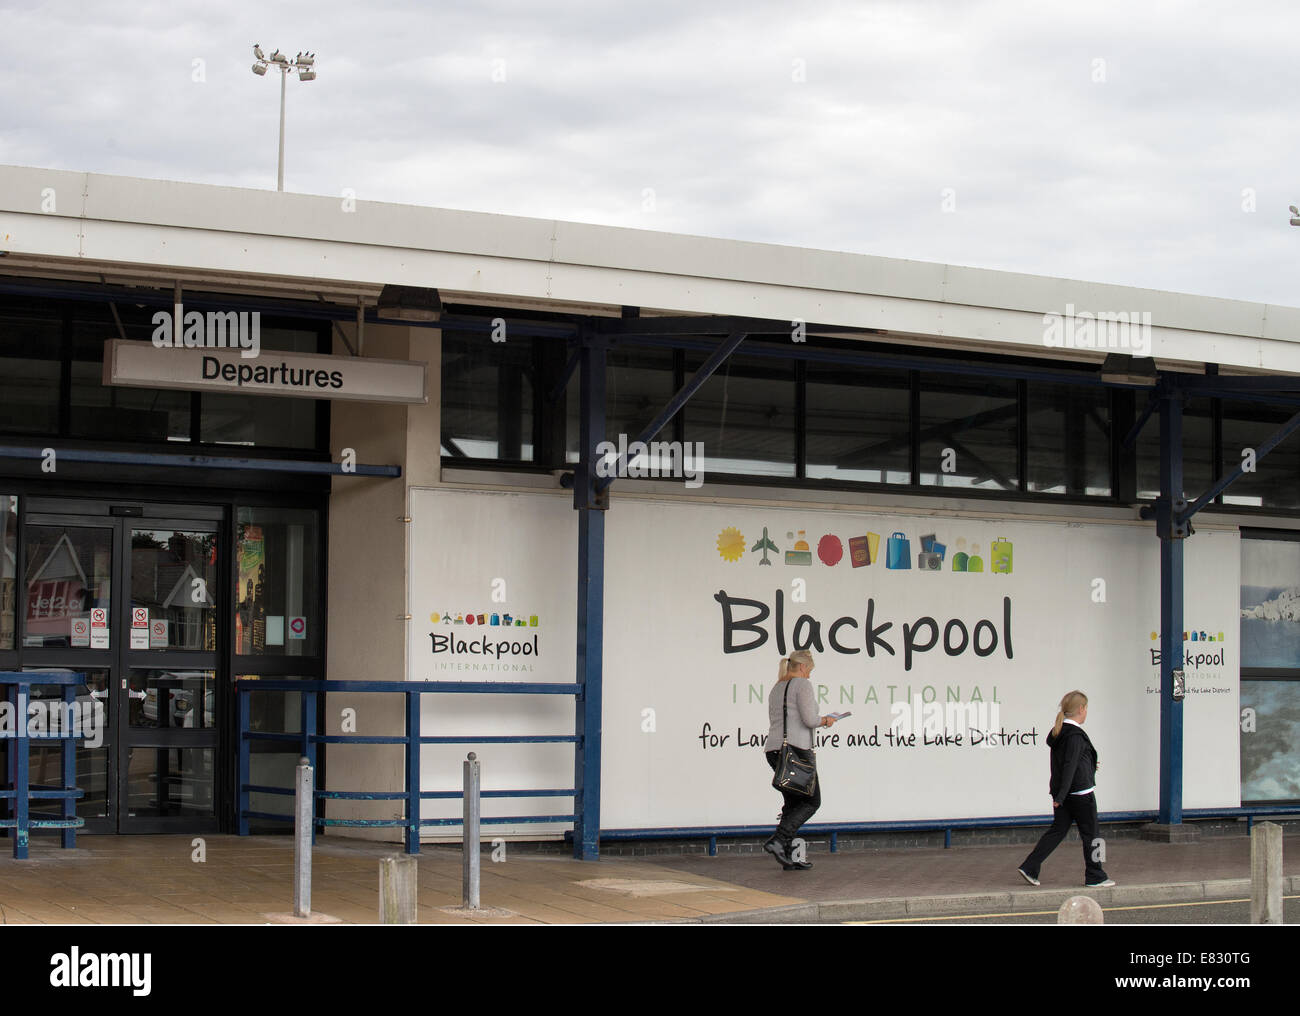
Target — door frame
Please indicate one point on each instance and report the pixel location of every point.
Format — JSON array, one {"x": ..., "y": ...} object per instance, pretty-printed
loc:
[{"x": 119, "y": 517}]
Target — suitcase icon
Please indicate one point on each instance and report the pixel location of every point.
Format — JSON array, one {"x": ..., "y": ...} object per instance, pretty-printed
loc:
[{"x": 1000, "y": 556}]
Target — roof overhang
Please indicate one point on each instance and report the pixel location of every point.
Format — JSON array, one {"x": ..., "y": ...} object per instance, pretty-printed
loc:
[{"x": 147, "y": 232}]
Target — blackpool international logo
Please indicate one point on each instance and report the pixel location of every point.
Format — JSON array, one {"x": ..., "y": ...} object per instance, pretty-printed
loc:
[
  {"x": 499, "y": 634},
  {"x": 1200, "y": 649}
]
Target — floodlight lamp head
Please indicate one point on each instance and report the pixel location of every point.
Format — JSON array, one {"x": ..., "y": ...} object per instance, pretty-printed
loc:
[
  {"x": 305, "y": 75},
  {"x": 259, "y": 69}
]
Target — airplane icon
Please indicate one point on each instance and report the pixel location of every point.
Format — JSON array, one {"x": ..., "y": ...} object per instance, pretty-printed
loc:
[{"x": 764, "y": 545}]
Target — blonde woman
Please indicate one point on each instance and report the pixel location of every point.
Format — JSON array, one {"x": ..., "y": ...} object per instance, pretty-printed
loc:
[
  {"x": 792, "y": 703},
  {"x": 1074, "y": 780}
]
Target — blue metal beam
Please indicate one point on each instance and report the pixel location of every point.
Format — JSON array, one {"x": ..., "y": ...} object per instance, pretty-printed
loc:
[
  {"x": 574, "y": 358},
  {"x": 1152, "y": 405},
  {"x": 715, "y": 360},
  {"x": 101, "y": 456},
  {"x": 874, "y": 358},
  {"x": 1217, "y": 384},
  {"x": 591, "y": 604}
]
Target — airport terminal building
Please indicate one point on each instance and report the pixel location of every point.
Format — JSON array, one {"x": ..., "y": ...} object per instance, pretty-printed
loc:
[{"x": 255, "y": 435}]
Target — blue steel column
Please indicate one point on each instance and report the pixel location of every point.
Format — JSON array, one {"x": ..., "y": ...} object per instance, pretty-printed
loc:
[
  {"x": 413, "y": 732},
  {"x": 590, "y": 505},
  {"x": 308, "y": 705},
  {"x": 1172, "y": 534}
]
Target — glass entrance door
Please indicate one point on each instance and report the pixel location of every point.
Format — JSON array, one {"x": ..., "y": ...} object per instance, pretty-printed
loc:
[{"x": 130, "y": 595}]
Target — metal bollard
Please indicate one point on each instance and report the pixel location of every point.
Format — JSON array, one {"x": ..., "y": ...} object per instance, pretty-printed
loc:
[
  {"x": 1266, "y": 873},
  {"x": 469, "y": 851},
  {"x": 302, "y": 829},
  {"x": 399, "y": 879}
]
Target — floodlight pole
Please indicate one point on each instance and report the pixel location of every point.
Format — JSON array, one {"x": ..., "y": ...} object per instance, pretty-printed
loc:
[
  {"x": 279, "y": 177},
  {"x": 303, "y": 63}
]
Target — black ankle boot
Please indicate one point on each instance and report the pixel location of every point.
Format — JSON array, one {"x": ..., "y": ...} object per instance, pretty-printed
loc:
[{"x": 778, "y": 850}]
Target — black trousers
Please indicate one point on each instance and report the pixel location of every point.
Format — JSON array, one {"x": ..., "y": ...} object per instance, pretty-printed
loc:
[
  {"x": 1080, "y": 809},
  {"x": 798, "y": 809}
]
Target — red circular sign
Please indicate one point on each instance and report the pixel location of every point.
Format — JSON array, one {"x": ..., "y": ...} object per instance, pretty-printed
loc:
[{"x": 829, "y": 549}]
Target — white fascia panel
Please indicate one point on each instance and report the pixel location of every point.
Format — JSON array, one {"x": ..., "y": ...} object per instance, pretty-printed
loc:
[{"x": 149, "y": 223}]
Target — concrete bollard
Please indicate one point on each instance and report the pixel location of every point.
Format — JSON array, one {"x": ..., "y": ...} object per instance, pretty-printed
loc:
[
  {"x": 302, "y": 829},
  {"x": 399, "y": 883},
  {"x": 1080, "y": 910},
  {"x": 470, "y": 847},
  {"x": 1266, "y": 873}
]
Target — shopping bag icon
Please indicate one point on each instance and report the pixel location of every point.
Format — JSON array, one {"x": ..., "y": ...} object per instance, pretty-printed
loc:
[
  {"x": 898, "y": 552},
  {"x": 1000, "y": 556}
]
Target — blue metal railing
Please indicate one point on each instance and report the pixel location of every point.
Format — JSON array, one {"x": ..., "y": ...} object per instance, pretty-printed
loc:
[
  {"x": 307, "y": 739},
  {"x": 19, "y": 789}
]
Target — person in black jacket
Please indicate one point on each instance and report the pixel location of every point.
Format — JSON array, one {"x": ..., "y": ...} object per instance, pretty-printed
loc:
[{"x": 1074, "y": 778}]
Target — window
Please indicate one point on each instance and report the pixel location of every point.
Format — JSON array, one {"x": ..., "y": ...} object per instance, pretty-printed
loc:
[
  {"x": 277, "y": 593},
  {"x": 969, "y": 432},
  {"x": 113, "y": 412},
  {"x": 1275, "y": 480},
  {"x": 31, "y": 348},
  {"x": 744, "y": 416},
  {"x": 1270, "y": 669},
  {"x": 1068, "y": 436},
  {"x": 51, "y": 382},
  {"x": 8, "y": 569},
  {"x": 638, "y": 385},
  {"x": 1198, "y": 451},
  {"x": 264, "y": 419},
  {"x": 487, "y": 398},
  {"x": 858, "y": 424}
]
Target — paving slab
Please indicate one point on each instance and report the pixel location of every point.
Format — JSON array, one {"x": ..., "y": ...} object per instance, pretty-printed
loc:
[{"x": 154, "y": 880}]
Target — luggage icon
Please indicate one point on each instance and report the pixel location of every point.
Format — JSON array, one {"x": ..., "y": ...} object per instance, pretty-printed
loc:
[{"x": 1000, "y": 556}]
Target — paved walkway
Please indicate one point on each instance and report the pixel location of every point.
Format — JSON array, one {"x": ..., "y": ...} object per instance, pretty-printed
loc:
[{"x": 159, "y": 880}]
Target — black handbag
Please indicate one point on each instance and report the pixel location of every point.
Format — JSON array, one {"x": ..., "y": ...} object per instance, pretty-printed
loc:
[{"x": 796, "y": 769}]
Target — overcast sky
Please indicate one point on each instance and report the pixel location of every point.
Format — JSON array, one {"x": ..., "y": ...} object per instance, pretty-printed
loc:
[{"x": 1143, "y": 143}]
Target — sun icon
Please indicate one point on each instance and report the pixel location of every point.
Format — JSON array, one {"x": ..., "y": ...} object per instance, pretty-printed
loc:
[{"x": 731, "y": 544}]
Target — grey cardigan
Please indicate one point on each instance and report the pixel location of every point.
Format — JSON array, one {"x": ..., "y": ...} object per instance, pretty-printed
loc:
[{"x": 802, "y": 718}]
